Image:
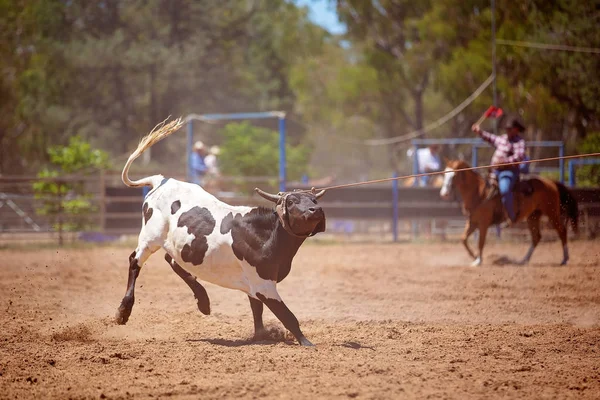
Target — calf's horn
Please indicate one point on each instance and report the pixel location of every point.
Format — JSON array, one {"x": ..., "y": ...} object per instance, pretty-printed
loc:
[
  {"x": 319, "y": 194},
  {"x": 271, "y": 197}
]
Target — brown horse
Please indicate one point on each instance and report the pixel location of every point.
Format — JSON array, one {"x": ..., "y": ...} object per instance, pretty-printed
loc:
[{"x": 485, "y": 209}]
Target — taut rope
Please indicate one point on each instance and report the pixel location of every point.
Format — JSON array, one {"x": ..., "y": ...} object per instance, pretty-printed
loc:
[{"x": 456, "y": 170}]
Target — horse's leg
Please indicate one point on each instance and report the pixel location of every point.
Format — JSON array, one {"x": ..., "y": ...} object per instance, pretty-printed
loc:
[
  {"x": 469, "y": 229},
  {"x": 562, "y": 233},
  {"x": 483, "y": 228},
  {"x": 533, "y": 222}
]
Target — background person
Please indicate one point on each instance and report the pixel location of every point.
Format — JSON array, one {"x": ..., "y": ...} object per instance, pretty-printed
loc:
[
  {"x": 198, "y": 165},
  {"x": 211, "y": 160},
  {"x": 510, "y": 147},
  {"x": 428, "y": 160},
  {"x": 212, "y": 173}
]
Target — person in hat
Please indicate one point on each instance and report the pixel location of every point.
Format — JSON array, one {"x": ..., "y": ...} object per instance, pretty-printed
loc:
[
  {"x": 212, "y": 172},
  {"x": 211, "y": 160},
  {"x": 510, "y": 148},
  {"x": 198, "y": 165}
]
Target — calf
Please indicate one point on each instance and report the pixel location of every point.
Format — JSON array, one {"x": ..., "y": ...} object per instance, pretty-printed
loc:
[{"x": 244, "y": 248}]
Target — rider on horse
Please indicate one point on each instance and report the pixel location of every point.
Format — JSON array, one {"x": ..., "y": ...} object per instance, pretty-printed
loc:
[{"x": 509, "y": 148}]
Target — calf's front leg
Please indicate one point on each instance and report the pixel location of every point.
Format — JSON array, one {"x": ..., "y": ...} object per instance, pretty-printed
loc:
[
  {"x": 287, "y": 318},
  {"x": 260, "y": 333}
]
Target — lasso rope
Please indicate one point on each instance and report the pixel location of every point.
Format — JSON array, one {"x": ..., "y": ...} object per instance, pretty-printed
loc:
[{"x": 454, "y": 170}]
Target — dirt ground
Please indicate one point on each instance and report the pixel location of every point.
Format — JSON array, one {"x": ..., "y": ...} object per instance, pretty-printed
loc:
[{"x": 388, "y": 321}]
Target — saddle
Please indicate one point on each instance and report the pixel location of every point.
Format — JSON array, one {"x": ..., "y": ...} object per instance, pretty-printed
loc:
[{"x": 523, "y": 187}]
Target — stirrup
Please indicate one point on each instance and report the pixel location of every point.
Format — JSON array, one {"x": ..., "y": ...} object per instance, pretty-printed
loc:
[{"x": 506, "y": 224}]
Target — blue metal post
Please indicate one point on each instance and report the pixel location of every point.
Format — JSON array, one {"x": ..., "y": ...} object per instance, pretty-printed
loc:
[
  {"x": 190, "y": 146},
  {"x": 474, "y": 158},
  {"x": 561, "y": 163},
  {"x": 282, "y": 172},
  {"x": 415, "y": 165},
  {"x": 395, "y": 207},
  {"x": 571, "y": 173}
]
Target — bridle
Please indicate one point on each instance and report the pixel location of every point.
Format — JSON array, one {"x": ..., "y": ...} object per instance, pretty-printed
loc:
[
  {"x": 282, "y": 212},
  {"x": 280, "y": 199}
]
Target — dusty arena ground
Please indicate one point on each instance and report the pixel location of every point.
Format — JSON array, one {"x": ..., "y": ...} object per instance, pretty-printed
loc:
[{"x": 388, "y": 321}]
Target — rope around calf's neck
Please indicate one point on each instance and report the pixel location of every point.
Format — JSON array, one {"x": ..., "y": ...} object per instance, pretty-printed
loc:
[{"x": 454, "y": 170}]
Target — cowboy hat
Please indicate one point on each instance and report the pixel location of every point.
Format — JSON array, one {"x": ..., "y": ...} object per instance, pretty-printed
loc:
[
  {"x": 198, "y": 145},
  {"x": 514, "y": 122}
]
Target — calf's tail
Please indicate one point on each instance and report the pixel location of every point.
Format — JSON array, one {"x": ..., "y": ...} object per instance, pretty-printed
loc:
[{"x": 159, "y": 132}]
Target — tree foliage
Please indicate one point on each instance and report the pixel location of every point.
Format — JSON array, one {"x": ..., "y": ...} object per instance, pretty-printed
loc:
[
  {"x": 248, "y": 150},
  {"x": 66, "y": 201},
  {"x": 589, "y": 175},
  {"x": 109, "y": 70}
]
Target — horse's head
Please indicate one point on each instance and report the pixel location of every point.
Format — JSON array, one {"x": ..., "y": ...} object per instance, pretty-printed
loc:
[{"x": 454, "y": 179}]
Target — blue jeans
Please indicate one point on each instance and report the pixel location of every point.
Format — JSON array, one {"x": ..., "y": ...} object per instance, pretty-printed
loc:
[
  {"x": 524, "y": 168},
  {"x": 506, "y": 183}
]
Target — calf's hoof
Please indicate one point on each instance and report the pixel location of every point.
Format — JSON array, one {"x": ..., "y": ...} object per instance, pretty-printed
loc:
[
  {"x": 305, "y": 342},
  {"x": 262, "y": 335},
  {"x": 204, "y": 307},
  {"x": 122, "y": 316},
  {"x": 124, "y": 311}
]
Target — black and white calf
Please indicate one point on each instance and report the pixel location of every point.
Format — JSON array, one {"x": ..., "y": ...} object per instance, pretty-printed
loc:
[{"x": 243, "y": 248}]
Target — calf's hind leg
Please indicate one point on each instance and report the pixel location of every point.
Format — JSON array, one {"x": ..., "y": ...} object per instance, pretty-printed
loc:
[
  {"x": 199, "y": 291},
  {"x": 136, "y": 260}
]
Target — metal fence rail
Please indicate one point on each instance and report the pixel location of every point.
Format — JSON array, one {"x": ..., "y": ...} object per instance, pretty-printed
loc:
[{"x": 366, "y": 210}]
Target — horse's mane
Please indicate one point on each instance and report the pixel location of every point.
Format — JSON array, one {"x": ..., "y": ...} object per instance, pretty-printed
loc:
[
  {"x": 458, "y": 164},
  {"x": 461, "y": 164}
]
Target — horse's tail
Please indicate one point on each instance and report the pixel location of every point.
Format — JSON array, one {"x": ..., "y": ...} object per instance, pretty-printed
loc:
[{"x": 568, "y": 206}]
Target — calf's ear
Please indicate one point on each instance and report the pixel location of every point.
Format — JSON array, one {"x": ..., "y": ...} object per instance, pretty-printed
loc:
[{"x": 320, "y": 227}]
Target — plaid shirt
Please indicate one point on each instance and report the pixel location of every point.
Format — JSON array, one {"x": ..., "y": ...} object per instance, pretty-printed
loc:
[{"x": 507, "y": 150}]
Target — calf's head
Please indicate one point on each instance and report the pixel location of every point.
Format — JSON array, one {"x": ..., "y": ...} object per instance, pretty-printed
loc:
[{"x": 298, "y": 212}]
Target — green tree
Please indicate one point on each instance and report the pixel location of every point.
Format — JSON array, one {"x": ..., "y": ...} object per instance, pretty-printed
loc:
[
  {"x": 108, "y": 70},
  {"x": 394, "y": 45},
  {"x": 33, "y": 81},
  {"x": 589, "y": 175},
  {"x": 249, "y": 150},
  {"x": 66, "y": 201}
]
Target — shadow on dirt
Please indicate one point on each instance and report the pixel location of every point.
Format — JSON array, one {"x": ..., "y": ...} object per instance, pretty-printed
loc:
[
  {"x": 241, "y": 342},
  {"x": 356, "y": 346}
]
